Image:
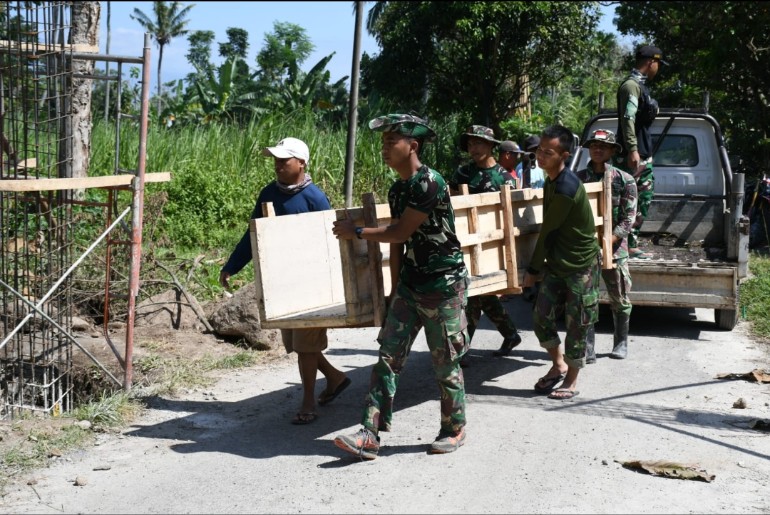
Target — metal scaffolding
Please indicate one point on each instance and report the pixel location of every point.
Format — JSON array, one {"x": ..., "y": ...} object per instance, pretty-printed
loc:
[{"x": 44, "y": 215}]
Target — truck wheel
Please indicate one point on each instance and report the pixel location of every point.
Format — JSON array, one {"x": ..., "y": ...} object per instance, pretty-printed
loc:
[{"x": 726, "y": 318}]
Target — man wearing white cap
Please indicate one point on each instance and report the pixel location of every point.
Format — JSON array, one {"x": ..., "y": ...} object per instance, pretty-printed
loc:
[{"x": 291, "y": 193}]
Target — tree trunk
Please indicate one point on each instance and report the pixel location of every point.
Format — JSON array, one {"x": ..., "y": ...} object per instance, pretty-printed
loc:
[{"x": 85, "y": 30}]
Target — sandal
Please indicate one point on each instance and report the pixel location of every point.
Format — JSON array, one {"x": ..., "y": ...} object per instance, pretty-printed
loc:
[
  {"x": 302, "y": 418},
  {"x": 549, "y": 383}
]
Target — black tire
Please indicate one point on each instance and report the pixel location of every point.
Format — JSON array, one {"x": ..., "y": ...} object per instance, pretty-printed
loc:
[{"x": 726, "y": 318}]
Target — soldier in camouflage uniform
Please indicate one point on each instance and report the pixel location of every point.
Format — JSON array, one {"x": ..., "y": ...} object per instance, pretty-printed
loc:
[
  {"x": 485, "y": 174},
  {"x": 567, "y": 254},
  {"x": 636, "y": 112},
  {"x": 601, "y": 147},
  {"x": 429, "y": 288}
]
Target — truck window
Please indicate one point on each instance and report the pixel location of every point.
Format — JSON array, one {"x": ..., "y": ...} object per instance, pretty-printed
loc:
[{"x": 676, "y": 150}]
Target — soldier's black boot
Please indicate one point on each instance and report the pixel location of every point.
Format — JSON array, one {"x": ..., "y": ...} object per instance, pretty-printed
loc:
[
  {"x": 590, "y": 341},
  {"x": 620, "y": 350}
]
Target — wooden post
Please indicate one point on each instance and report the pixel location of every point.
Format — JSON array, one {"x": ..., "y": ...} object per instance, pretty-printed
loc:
[
  {"x": 375, "y": 260},
  {"x": 473, "y": 227},
  {"x": 509, "y": 242},
  {"x": 605, "y": 205}
]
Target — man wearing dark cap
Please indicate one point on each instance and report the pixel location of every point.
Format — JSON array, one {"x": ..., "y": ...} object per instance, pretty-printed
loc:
[
  {"x": 485, "y": 174},
  {"x": 508, "y": 155},
  {"x": 636, "y": 112},
  {"x": 602, "y": 146},
  {"x": 532, "y": 176},
  {"x": 429, "y": 288}
]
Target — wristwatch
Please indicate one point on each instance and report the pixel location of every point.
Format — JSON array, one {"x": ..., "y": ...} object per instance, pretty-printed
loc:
[{"x": 359, "y": 230}]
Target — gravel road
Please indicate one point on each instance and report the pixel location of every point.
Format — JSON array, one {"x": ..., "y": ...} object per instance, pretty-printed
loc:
[{"x": 231, "y": 449}]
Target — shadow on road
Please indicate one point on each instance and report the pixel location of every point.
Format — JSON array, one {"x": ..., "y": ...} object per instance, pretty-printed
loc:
[{"x": 258, "y": 427}]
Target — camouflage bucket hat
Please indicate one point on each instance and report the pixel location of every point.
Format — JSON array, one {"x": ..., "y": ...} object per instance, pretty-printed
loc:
[
  {"x": 477, "y": 131},
  {"x": 603, "y": 136},
  {"x": 406, "y": 124}
]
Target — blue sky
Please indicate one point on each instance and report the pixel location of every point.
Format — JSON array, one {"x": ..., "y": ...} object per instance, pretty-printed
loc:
[{"x": 329, "y": 25}]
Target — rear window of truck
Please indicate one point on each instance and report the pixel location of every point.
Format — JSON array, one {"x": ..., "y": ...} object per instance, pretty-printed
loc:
[{"x": 676, "y": 150}]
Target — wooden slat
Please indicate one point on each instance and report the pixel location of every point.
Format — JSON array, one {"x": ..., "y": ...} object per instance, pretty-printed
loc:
[
  {"x": 509, "y": 240},
  {"x": 473, "y": 224},
  {"x": 268, "y": 209},
  {"x": 605, "y": 233},
  {"x": 37, "y": 48},
  {"x": 374, "y": 262},
  {"x": 76, "y": 183},
  {"x": 478, "y": 200}
]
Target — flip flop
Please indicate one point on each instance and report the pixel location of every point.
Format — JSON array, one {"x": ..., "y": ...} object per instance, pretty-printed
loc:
[
  {"x": 325, "y": 398},
  {"x": 300, "y": 419},
  {"x": 549, "y": 382},
  {"x": 569, "y": 394}
]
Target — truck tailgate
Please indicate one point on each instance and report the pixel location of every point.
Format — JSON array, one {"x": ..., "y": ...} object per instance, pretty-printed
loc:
[{"x": 705, "y": 284}]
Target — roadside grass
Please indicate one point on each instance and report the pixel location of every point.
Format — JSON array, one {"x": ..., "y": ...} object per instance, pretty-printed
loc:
[
  {"x": 755, "y": 296},
  {"x": 31, "y": 442}
]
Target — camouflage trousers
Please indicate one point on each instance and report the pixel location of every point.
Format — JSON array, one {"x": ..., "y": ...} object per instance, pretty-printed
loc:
[
  {"x": 576, "y": 298},
  {"x": 645, "y": 188},
  {"x": 618, "y": 284},
  {"x": 447, "y": 336},
  {"x": 494, "y": 310}
]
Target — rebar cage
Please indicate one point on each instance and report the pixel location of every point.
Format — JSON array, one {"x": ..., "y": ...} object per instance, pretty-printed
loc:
[{"x": 36, "y": 136}]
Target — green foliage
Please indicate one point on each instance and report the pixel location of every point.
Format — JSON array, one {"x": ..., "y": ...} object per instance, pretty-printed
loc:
[
  {"x": 110, "y": 410},
  {"x": 169, "y": 23},
  {"x": 729, "y": 60},
  {"x": 755, "y": 295},
  {"x": 476, "y": 59}
]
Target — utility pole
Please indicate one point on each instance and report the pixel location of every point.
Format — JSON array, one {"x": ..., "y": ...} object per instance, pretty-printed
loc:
[{"x": 350, "y": 152}]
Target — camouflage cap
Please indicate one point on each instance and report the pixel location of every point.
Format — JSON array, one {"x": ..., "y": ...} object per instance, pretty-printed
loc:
[
  {"x": 406, "y": 124},
  {"x": 603, "y": 136},
  {"x": 477, "y": 131}
]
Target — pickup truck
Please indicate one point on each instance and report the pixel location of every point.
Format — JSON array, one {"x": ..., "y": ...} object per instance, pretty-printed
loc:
[{"x": 695, "y": 226}]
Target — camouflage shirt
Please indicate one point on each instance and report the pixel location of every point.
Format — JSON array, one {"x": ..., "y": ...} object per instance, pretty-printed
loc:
[
  {"x": 480, "y": 180},
  {"x": 623, "y": 204},
  {"x": 433, "y": 258}
]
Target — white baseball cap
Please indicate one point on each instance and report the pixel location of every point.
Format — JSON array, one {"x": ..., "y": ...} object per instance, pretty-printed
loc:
[{"x": 289, "y": 147}]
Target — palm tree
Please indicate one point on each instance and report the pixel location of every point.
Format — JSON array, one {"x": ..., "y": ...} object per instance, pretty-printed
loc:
[{"x": 169, "y": 23}]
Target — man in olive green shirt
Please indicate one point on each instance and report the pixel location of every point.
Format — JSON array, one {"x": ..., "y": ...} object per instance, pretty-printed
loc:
[{"x": 567, "y": 256}]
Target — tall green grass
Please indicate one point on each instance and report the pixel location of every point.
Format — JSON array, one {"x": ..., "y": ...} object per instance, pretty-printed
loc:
[
  {"x": 755, "y": 295},
  {"x": 218, "y": 170}
]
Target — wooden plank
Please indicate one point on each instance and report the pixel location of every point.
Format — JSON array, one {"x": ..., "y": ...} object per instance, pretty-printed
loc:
[
  {"x": 374, "y": 263},
  {"x": 355, "y": 287},
  {"x": 509, "y": 239},
  {"x": 268, "y": 209},
  {"x": 473, "y": 224},
  {"x": 605, "y": 233},
  {"x": 76, "y": 183},
  {"x": 38, "y": 48}
]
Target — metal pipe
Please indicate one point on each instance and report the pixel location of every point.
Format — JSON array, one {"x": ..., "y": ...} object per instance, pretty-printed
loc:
[{"x": 137, "y": 214}]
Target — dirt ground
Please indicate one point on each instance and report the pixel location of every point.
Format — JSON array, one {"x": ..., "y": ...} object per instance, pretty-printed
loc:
[{"x": 229, "y": 448}]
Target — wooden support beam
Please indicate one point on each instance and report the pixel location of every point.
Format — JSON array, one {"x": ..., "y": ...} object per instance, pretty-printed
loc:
[
  {"x": 374, "y": 263},
  {"x": 509, "y": 239},
  {"x": 77, "y": 183},
  {"x": 605, "y": 232},
  {"x": 34, "y": 49},
  {"x": 473, "y": 227}
]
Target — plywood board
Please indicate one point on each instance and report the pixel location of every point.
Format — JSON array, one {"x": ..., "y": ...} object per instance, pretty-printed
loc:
[{"x": 298, "y": 267}]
